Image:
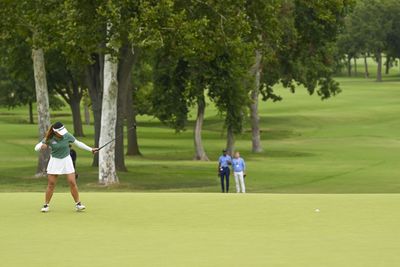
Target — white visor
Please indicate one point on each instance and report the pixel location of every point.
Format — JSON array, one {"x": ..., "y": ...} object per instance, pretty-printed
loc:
[{"x": 61, "y": 131}]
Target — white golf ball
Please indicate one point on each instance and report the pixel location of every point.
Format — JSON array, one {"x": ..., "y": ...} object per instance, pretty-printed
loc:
[{"x": 316, "y": 210}]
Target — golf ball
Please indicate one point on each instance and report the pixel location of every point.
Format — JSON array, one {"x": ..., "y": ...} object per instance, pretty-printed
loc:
[{"x": 316, "y": 210}]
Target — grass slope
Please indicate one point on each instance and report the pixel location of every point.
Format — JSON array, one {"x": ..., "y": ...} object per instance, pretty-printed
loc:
[
  {"x": 347, "y": 144},
  {"x": 186, "y": 229}
]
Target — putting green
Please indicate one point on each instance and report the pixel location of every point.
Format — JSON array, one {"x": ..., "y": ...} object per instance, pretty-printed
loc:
[{"x": 185, "y": 229}]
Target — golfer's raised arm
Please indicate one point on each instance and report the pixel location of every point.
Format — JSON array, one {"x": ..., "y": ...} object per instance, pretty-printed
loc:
[
  {"x": 39, "y": 146},
  {"x": 82, "y": 145}
]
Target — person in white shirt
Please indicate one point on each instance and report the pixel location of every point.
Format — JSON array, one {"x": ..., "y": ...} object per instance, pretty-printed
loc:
[{"x": 239, "y": 172}]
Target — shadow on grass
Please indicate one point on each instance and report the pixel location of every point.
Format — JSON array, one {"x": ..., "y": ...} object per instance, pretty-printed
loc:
[{"x": 278, "y": 154}]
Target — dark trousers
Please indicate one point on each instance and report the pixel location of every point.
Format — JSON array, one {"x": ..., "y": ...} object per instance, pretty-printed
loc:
[{"x": 224, "y": 175}]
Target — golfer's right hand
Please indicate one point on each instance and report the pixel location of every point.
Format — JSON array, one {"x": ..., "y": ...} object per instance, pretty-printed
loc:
[
  {"x": 43, "y": 147},
  {"x": 95, "y": 150}
]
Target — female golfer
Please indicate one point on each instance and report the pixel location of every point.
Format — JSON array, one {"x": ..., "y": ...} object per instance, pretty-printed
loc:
[{"x": 58, "y": 139}]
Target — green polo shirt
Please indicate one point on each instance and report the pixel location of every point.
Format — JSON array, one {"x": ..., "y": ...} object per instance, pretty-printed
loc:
[{"x": 60, "y": 146}]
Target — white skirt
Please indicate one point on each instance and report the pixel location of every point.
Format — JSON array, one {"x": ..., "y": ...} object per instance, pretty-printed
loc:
[{"x": 60, "y": 166}]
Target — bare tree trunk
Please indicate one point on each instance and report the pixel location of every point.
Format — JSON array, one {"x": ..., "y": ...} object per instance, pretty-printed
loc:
[
  {"x": 87, "y": 113},
  {"x": 124, "y": 75},
  {"x": 379, "y": 70},
  {"x": 198, "y": 144},
  {"x": 75, "y": 97},
  {"x": 107, "y": 171},
  {"x": 387, "y": 65},
  {"x": 230, "y": 141},
  {"x": 349, "y": 66},
  {"x": 366, "y": 66},
  {"x": 133, "y": 146},
  {"x": 76, "y": 116},
  {"x": 94, "y": 79},
  {"x": 355, "y": 66},
  {"x": 86, "y": 104},
  {"x": 31, "y": 112},
  {"x": 42, "y": 100},
  {"x": 254, "y": 118}
]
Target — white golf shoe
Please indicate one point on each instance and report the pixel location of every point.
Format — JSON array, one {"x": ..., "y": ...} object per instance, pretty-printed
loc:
[
  {"x": 79, "y": 206},
  {"x": 45, "y": 208}
]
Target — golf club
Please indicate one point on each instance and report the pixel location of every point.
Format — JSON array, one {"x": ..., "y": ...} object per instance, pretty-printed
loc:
[{"x": 133, "y": 127}]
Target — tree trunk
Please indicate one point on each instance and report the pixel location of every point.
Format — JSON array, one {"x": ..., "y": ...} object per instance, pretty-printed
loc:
[
  {"x": 76, "y": 116},
  {"x": 254, "y": 118},
  {"x": 355, "y": 66},
  {"x": 198, "y": 145},
  {"x": 366, "y": 66},
  {"x": 349, "y": 66},
  {"x": 42, "y": 100},
  {"x": 87, "y": 113},
  {"x": 230, "y": 141},
  {"x": 31, "y": 112},
  {"x": 379, "y": 70},
  {"x": 94, "y": 79},
  {"x": 387, "y": 65},
  {"x": 133, "y": 146},
  {"x": 124, "y": 75},
  {"x": 107, "y": 171}
]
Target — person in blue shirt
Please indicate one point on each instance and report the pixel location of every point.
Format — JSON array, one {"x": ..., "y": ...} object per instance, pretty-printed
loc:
[
  {"x": 239, "y": 172},
  {"x": 223, "y": 170}
]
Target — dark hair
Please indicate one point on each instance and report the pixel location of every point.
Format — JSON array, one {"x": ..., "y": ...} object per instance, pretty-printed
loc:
[
  {"x": 49, "y": 134},
  {"x": 57, "y": 125},
  {"x": 50, "y": 131}
]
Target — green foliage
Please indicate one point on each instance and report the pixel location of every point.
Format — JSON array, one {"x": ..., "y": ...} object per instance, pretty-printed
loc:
[
  {"x": 372, "y": 28},
  {"x": 170, "y": 98},
  {"x": 303, "y": 52},
  {"x": 17, "y": 86},
  {"x": 207, "y": 49},
  {"x": 142, "y": 80}
]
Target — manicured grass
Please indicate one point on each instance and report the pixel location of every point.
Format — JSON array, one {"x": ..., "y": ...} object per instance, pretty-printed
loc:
[
  {"x": 188, "y": 229},
  {"x": 347, "y": 144}
]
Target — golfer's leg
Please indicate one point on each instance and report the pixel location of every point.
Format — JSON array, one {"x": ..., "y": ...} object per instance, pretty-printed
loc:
[
  {"x": 222, "y": 181},
  {"x": 227, "y": 180},
  {"x": 73, "y": 186},
  {"x": 236, "y": 175},
  {"x": 241, "y": 178},
  {"x": 51, "y": 184}
]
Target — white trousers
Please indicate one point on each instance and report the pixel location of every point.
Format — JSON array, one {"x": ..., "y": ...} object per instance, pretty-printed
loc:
[{"x": 239, "y": 179}]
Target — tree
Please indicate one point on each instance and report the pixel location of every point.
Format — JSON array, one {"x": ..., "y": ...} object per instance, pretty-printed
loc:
[
  {"x": 393, "y": 37},
  {"x": 267, "y": 27},
  {"x": 34, "y": 22},
  {"x": 68, "y": 81},
  {"x": 107, "y": 170},
  {"x": 209, "y": 39},
  {"x": 372, "y": 26},
  {"x": 82, "y": 40},
  {"x": 16, "y": 76},
  {"x": 297, "y": 45}
]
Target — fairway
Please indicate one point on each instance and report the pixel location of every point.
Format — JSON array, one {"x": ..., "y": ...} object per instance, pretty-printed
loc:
[
  {"x": 348, "y": 144},
  {"x": 189, "y": 229}
]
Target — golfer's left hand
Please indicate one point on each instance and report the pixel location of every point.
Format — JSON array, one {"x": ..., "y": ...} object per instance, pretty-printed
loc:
[{"x": 95, "y": 150}]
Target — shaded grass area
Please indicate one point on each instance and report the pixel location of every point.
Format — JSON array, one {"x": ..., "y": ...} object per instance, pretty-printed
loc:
[
  {"x": 347, "y": 144},
  {"x": 187, "y": 229}
]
